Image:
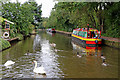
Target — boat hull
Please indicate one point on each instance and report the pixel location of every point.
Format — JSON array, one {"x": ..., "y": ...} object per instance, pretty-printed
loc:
[
  {"x": 87, "y": 43},
  {"x": 53, "y": 31}
]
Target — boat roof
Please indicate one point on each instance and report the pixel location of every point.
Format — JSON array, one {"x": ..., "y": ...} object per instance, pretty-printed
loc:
[{"x": 85, "y": 29}]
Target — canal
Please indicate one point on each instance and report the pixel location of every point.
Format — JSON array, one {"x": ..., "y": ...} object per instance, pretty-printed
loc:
[{"x": 59, "y": 62}]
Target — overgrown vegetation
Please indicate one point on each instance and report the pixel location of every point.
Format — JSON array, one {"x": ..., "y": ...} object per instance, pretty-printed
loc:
[
  {"x": 4, "y": 44},
  {"x": 104, "y": 16}
]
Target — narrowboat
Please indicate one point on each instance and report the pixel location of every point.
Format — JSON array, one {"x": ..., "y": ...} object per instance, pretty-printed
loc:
[
  {"x": 88, "y": 37},
  {"x": 52, "y": 30}
]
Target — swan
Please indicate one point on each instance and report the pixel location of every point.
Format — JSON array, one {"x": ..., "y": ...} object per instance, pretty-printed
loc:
[
  {"x": 8, "y": 63},
  {"x": 38, "y": 70}
]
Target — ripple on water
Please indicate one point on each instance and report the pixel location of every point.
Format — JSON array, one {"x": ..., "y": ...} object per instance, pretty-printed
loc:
[{"x": 18, "y": 76}]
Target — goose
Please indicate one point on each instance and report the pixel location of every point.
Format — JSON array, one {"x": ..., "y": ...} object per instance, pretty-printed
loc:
[
  {"x": 27, "y": 53},
  {"x": 104, "y": 64},
  {"x": 78, "y": 55},
  {"x": 38, "y": 70},
  {"x": 53, "y": 45},
  {"x": 56, "y": 50},
  {"x": 9, "y": 62},
  {"x": 102, "y": 56}
]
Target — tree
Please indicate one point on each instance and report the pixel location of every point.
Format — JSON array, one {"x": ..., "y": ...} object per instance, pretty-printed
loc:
[
  {"x": 22, "y": 15},
  {"x": 104, "y": 16}
]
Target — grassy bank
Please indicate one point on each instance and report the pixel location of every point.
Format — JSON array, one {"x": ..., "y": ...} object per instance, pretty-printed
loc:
[{"x": 4, "y": 44}]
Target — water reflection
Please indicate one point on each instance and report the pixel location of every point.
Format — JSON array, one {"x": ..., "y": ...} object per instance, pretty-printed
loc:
[
  {"x": 36, "y": 44},
  {"x": 48, "y": 59},
  {"x": 86, "y": 52},
  {"x": 52, "y": 34},
  {"x": 43, "y": 53}
]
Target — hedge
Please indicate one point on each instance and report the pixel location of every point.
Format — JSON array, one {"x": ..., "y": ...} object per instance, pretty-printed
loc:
[{"x": 4, "y": 44}]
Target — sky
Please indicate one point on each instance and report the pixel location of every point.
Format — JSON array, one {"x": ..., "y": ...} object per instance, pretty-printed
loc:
[{"x": 47, "y": 6}]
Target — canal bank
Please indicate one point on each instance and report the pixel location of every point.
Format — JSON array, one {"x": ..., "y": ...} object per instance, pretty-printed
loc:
[
  {"x": 108, "y": 41},
  {"x": 63, "y": 32},
  {"x": 112, "y": 42}
]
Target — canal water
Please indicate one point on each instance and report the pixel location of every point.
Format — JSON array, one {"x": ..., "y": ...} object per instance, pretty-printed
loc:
[{"x": 59, "y": 62}]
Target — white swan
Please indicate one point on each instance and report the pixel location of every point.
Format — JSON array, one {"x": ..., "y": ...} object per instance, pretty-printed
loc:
[
  {"x": 39, "y": 70},
  {"x": 8, "y": 63}
]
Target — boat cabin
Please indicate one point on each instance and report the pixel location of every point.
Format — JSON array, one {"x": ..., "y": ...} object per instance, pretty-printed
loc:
[{"x": 87, "y": 33}]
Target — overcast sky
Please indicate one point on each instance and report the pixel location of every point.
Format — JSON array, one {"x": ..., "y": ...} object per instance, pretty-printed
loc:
[{"x": 47, "y": 6}]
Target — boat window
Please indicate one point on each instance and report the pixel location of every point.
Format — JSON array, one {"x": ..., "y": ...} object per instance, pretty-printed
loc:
[
  {"x": 85, "y": 34},
  {"x": 88, "y": 35},
  {"x": 96, "y": 34},
  {"x": 79, "y": 34},
  {"x": 82, "y": 34},
  {"x": 75, "y": 32}
]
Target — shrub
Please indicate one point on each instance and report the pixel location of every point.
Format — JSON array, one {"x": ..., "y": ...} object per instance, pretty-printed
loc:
[
  {"x": 4, "y": 44},
  {"x": 19, "y": 36}
]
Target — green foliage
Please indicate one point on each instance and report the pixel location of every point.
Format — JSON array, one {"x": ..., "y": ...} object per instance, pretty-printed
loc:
[
  {"x": 104, "y": 16},
  {"x": 4, "y": 44},
  {"x": 112, "y": 20},
  {"x": 19, "y": 36},
  {"x": 23, "y": 15},
  {"x": 13, "y": 33}
]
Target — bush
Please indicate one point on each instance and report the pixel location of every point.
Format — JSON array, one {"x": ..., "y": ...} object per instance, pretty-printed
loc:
[
  {"x": 13, "y": 33},
  {"x": 4, "y": 44},
  {"x": 19, "y": 36}
]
